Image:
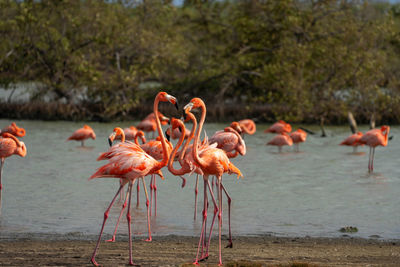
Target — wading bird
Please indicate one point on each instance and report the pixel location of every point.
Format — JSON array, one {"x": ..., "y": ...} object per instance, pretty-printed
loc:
[
  {"x": 298, "y": 136},
  {"x": 130, "y": 162},
  {"x": 129, "y": 132},
  {"x": 14, "y": 130},
  {"x": 353, "y": 140},
  {"x": 230, "y": 140},
  {"x": 248, "y": 126},
  {"x": 374, "y": 138},
  {"x": 212, "y": 161},
  {"x": 280, "y": 140},
  {"x": 148, "y": 124},
  {"x": 9, "y": 145},
  {"x": 82, "y": 134},
  {"x": 279, "y": 127}
]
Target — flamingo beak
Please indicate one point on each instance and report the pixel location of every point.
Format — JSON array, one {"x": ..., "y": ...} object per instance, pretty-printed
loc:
[
  {"x": 188, "y": 107},
  {"x": 167, "y": 135},
  {"x": 111, "y": 139}
]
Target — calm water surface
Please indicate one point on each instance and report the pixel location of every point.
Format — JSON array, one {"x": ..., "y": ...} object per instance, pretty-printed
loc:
[{"x": 314, "y": 192}]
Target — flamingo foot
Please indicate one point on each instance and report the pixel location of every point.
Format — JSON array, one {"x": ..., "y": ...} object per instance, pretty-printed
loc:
[
  {"x": 183, "y": 182},
  {"x": 132, "y": 264},
  {"x": 94, "y": 262},
  {"x": 111, "y": 240},
  {"x": 148, "y": 239},
  {"x": 196, "y": 263},
  {"x": 203, "y": 258},
  {"x": 230, "y": 244}
]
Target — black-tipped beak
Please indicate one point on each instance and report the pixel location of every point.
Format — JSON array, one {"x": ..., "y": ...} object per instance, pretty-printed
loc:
[
  {"x": 184, "y": 114},
  {"x": 110, "y": 142},
  {"x": 176, "y": 105},
  {"x": 168, "y": 136}
]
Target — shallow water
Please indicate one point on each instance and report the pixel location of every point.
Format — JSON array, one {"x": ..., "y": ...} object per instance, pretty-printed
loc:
[{"x": 314, "y": 192}]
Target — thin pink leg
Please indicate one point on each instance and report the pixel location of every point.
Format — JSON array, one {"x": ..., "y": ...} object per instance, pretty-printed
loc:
[
  {"x": 121, "y": 194},
  {"x": 102, "y": 227},
  {"x": 1, "y": 174},
  {"x": 203, "y": 224},
  {"x": 137, "y": 190},
  {"x": 230, "y": 244},
  {"x": 129, "y": 219},
  {"x": 148, "y": 211},
  {"x": 196, "y": 192},
  {"x": 372, "y": 159},
  {"x": 369, "y": 159},
  {"x": 119, "y": 218},
  {"x": 151, "y": 192},
  {"x": 155, "y": 195},
  {"x": 219, "y": 220},
  {"x": 213, "y": 220}
]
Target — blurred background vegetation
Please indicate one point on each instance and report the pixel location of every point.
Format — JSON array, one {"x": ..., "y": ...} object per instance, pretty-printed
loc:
[{"x": 297, "y": 60}]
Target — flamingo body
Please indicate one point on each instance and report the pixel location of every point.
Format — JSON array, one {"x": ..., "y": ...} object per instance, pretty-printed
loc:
[
  {"x": 374, "y": 138},
  {"x": 14, "y": 130},
  {"x": 298, "y": 136},
  {"x": 352, "y": 140},
  {"x": 82, "y": 134},
  {"x": 279, "y": 127},
  {"x": 248, "y": 126}
]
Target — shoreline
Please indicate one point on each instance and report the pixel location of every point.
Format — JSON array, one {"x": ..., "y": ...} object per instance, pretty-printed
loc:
[{"x": 173, "y": 250}]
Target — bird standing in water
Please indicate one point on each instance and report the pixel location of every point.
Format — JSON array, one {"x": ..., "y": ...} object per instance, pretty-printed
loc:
[
  {"x": 82, "y": 134},
  {"x": 9, "y": 145},
  {"x": 374, "y": 138}
]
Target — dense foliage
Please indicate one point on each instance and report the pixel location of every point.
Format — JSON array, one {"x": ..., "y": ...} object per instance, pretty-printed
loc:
[{"x": 298, "y": 60}]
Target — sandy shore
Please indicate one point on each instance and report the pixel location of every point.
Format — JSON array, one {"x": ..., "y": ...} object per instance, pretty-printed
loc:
[{"x": 179, "y": 250}]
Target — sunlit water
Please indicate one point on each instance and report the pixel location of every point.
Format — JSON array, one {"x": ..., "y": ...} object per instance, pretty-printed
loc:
[{"x": 314, "y": 192}]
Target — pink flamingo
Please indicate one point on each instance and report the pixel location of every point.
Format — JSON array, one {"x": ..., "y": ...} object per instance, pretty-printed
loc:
[
  {"x": 176, "y": 133},
  {"x": 353, "y": 140},
  {"x": 9, "y": 145},
  {"x": 212, "y": 161},
  {"x": 279, "y": 127},
  {"x": 14, "y": 130},
  {"x": 248, "y": 126},
  {"x": 130, "y": 162},
  {"x": 374, "y": 138},
  {"x": 185, "y": 158},
  {"x": 118, "y": 133},
  {"x": 130, "y": 133},
  {"x": 298, "y": 136},
  {"x": 280, "y": 140},
  {"x": 148, "y": 124},
  {"x": 82, "y": 134},
  {"x": 230, "y": 140}
]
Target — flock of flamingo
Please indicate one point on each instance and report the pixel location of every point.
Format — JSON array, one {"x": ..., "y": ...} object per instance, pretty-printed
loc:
[{"x": 130, "y": 161}]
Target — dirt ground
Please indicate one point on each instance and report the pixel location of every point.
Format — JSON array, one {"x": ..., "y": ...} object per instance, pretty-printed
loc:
[{"x": 179, "y": 251}]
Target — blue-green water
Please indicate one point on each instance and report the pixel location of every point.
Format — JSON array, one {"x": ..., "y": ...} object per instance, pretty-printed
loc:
[{"x": 314, "y": 192}]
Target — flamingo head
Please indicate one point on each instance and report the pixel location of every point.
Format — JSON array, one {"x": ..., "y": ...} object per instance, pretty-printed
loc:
[
  {"x": 164, "y": 97},
  {"x": 194, "y": 103},
  {"x": 21, "y": 149},
  {"x": 116, "y": 132},
  {"x": 236, "y": 126}
]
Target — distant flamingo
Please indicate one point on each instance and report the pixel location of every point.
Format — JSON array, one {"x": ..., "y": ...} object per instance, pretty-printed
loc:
[
  {"x": 298, "y": 136},
  {"x": 230, "y": 140},
  {"x": 248, "y": 126},
  {"x": 353, "y": 140},
  {"x": 280, "y": 140},
  {"x": 212, "y": 161},
  {"x": 279, "y": 127},
  {"x": 374, "y": 138},
  {"x": 130, "y": 162},
  {"x": 9, "y": 145},
  {"x": 82, "y": 134},
  {"x": 148, "y": 124},
  {"x": 130, "y": 133},
  {"x": 14, "y": 130},
  {"x": 176, "y": 133}
]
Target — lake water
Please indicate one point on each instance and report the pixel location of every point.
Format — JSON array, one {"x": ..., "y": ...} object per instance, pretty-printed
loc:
[{"x": 314, "y": 192}]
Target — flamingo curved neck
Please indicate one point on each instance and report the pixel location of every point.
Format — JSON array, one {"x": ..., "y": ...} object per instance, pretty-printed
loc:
[
  {"x": 189, "y": 139},
  {"x": 196, "y": 157},
  {"x": 173, "y": 153},
  {"x": 164, "y": 161}
]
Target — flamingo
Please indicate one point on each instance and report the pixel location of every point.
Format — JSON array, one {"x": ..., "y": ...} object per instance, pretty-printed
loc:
[
  {"x": 175, "y": 133},
  {"x": 148, "y": 124},
  {"x": 82, "y": 134},
  {"x": 248, "y": 126},
  {"x": 279, "y": 127},
  {"x": 130, "y": 162},
  {"x": 118, "y": 133},
  {"x": 212, "y": 161},
  {"x": 9, "y": 145},
  {"x": 14, "y": 130},
  {"x": 129, "y": 132},
  {"x": 230, "y": 140},
  {"x": 281, "y": 140},
  {"x": 185, "y": 158},
  {"x": 298, "y": 137},
  {"x": 374, "y": 138},
  {"x": 353, "y": 140}
]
